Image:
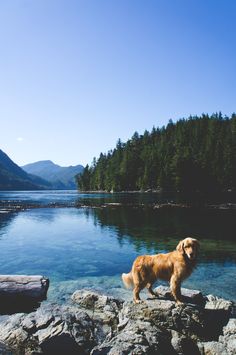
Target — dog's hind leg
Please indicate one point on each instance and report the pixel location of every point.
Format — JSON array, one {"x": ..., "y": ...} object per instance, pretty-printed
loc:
[{"x": 137, "y": 289}]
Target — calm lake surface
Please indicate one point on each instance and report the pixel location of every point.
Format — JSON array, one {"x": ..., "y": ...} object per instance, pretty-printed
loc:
[{"x": 90, "y": 247}]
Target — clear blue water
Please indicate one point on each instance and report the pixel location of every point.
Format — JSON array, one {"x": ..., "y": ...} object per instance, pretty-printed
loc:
[{"x": 91, "y": 247}]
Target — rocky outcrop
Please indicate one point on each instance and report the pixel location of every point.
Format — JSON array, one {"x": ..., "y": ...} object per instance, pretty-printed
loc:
[
  {"x": 157, "y": 326},
  {"x": 97, "y": 324},
  {"x": 226, "y": 344},
  {"x": 51, "y": 329},
  {"x": 4, "y": 350},
  {"x": 103, "y": 309}
]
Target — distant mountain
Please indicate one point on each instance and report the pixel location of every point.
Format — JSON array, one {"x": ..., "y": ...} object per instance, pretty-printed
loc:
[
  {"x": 12, "y": 177},
  {"x": 60, "y": 177}
]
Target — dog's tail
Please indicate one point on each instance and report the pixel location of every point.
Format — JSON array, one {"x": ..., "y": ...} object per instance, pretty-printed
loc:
[{"x": 128, "y": 280}]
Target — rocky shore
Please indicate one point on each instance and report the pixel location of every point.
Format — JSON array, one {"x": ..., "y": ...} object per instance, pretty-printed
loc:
[
  {"x": 17, "y": 206},
  {"x": 98, "y": 324}
]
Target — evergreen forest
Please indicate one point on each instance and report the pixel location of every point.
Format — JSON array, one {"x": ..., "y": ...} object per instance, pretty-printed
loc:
[{"x": 194, "y": 154}]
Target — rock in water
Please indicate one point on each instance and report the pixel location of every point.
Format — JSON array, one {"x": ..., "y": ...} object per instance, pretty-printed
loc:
[{"x": 22, "y": 292}]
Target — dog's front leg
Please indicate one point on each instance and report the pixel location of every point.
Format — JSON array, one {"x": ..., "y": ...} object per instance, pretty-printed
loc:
[{"x": 175, "y": 288}]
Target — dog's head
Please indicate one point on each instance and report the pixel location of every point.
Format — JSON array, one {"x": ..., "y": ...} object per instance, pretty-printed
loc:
[{"x": 189, "y": 247}]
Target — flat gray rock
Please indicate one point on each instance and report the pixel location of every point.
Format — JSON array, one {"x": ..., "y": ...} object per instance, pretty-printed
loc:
[
  {"x": 214, "y": 302},
  {"x": 189, "y": 296}
]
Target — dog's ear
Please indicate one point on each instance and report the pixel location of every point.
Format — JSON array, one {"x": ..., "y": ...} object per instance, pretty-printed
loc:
[{"x": 180, "y": 247}]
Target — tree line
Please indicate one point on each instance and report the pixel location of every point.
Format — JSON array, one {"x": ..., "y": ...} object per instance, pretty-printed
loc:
[{"x": 194, "y": 154}]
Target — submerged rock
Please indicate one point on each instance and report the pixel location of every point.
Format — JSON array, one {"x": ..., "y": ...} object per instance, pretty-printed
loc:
[{"x": 98, "y": 324}]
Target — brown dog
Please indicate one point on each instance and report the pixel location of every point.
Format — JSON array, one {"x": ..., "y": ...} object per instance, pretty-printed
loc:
[{"x": 174, "y": 267}]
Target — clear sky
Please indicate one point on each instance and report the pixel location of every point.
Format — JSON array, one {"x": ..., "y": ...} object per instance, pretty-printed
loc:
[{"x": 76, "y": 75}]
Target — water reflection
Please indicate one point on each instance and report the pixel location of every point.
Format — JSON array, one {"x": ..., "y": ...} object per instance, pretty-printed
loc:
[
  {"x": 40, "y": 197},
  {"x": 5, "y": 218},
  {"x": 161, "y": 230},
  {"x": 91, "y": 247},
  {"x": 195, "y": 199}
]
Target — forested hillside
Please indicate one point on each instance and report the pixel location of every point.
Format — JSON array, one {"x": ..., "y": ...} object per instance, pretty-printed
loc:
[{"x": 194, "y": 154}]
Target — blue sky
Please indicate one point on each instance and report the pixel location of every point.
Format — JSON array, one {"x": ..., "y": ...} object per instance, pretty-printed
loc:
[{"x": 76, "y": 75}]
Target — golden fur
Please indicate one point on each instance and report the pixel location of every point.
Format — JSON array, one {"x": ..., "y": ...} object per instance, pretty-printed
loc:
[{"x": 173, "y": 267}]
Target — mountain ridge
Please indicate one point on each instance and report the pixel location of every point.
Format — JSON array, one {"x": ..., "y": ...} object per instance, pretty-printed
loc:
[
  {"x": 13, "y": 177},
  {"x": 60, "y": 177}
]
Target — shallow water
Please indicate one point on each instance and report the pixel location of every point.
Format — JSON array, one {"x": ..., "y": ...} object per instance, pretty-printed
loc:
[{"x": 86, "y": 247}]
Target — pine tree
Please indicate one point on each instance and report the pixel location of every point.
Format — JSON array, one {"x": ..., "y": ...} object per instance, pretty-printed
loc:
[{"x": 195, "y": 154}]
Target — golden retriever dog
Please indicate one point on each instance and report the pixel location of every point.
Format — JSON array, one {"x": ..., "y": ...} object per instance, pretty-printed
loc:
[{"x": 173, "y": 267}]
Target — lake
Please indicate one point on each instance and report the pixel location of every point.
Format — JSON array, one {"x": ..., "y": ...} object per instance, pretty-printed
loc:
[{"x": 91, "y": 246}]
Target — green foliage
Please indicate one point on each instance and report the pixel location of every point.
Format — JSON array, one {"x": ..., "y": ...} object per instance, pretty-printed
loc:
[{"x": 197, "y": 154}]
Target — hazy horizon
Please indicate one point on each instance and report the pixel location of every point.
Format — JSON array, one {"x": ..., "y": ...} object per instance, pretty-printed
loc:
[{"x": 77, "y": 75}]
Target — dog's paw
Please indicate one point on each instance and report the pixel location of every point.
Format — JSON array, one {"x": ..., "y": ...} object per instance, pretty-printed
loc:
[
  {"x": 179, "y": 303},
  {"x": 153, "y": 297},
  {"x": 138, "y": 301}
]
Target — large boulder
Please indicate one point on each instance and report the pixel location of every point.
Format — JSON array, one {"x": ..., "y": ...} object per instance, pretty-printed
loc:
[
  {"x": 4, "y": 350},
  {"x": 159, "y": 326},
  {"x": 101, "y": 307},
  {"x": 51, "y": 329},
  {"x": 216, "y": 303},
  {"x": 189, "y": 296},
  {"x": 155, "y": 327},
  {"x": 226, "y": 345},
  {"x": 137, "y": 338},
  {"x": 229, "y": 336}
]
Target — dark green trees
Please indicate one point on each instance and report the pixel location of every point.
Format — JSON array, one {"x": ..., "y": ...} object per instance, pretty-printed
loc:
[{"x": 197, "y": 154}]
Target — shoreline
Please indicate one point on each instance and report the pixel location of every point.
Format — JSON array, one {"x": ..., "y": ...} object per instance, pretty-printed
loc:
[{"x": 15, "y": 206}]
